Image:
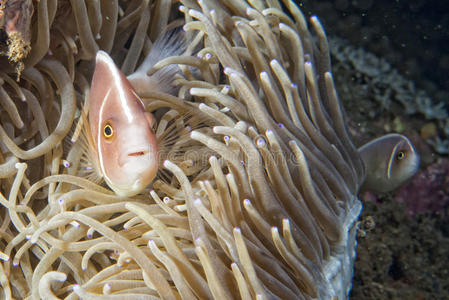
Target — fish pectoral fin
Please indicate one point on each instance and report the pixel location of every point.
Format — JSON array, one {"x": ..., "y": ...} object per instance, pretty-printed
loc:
[{"x": 89, "y": 167}]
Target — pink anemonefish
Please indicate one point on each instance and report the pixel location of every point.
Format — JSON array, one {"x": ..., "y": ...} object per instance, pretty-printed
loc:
[
  {"x": 122, "y": 146},
  {"x": 389, "y": 160}
]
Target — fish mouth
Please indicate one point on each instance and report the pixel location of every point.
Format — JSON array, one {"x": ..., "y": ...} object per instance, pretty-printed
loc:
[
  {"x": 138, "y": 153},
  {"x": 133, "y": 155}
]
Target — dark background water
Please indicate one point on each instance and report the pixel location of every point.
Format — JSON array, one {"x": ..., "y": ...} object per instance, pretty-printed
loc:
[{"x": 413, "y": 35}]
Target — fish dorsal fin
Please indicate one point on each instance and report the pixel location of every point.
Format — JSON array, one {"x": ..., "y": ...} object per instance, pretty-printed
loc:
[{"x": 171, "y": 42}]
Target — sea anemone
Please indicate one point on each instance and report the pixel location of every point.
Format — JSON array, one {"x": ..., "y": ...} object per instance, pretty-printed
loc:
[{"x": 258, "y": 193}]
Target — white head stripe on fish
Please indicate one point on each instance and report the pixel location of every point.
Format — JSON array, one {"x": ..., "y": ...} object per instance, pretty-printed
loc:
[
  {"x": 100, "y": 155},
  {"x": 391, "y": 160},
  {"x": 116, "y": 75}
]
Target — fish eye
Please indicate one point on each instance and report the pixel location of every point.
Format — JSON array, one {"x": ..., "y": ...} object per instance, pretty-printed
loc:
[
  {"x": 400, "y": 155},
  {"x": 108, "y": 132}
]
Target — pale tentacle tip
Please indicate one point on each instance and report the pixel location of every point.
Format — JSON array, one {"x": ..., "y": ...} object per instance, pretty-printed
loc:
[
  {"x": 314, "y": 18},
  {"x": 261, "y": 142},
  {"x": 208, "y": 56},
  {"x": 228, "y": 70},
  {"x": 274, "y": 62},
  {"x": 107, "y": 289},
  {"x": 250, "y": 11},
  {"x": 167, "y": 163},
  {"x": 19, "y": 165},
  {"x": 180, "y": 208},
  {"x": 194, "y": 134},
  {"x": 293, "y": 144},
  {"x": 226, "y": 88},
  {"x": 194, "y": 13},
  {"x": 4, "y": 256}
]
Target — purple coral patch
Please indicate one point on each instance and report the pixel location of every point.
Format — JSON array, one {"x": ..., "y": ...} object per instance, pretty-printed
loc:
[{"x": 428, "y": 191}]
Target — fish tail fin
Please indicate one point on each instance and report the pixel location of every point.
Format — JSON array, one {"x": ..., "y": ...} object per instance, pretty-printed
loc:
[{"x": 171, "y": 42}]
